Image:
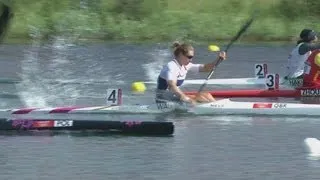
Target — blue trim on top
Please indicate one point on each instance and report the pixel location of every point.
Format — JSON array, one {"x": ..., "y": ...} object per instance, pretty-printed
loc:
[{"x": 162, "y": 84}]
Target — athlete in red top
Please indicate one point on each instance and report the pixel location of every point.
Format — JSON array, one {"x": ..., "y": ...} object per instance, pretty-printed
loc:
[{"x": 311, "y": 75}]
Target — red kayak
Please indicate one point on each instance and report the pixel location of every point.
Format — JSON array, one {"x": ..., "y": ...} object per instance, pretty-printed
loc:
[{"x": 302, "y": 92}]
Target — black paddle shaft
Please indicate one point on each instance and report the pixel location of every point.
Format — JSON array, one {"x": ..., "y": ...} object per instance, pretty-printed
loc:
[
  {"x": 5, "y": 19},
  {"x": 240, "y": 32}
]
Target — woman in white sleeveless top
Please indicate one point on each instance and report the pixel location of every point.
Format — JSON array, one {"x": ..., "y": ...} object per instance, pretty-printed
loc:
[
  {"x": 301, "y": 52},
  {"x": 174, "y": 73}
]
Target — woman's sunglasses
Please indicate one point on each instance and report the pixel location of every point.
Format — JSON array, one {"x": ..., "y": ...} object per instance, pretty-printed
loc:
[{"x": 189, "y": 57}]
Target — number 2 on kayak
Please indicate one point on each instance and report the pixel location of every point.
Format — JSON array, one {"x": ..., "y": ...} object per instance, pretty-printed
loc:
[{"x": 260, "y": 70}]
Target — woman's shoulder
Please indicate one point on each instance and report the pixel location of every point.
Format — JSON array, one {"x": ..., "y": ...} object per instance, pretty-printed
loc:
[{"x": 173, "y": 64}]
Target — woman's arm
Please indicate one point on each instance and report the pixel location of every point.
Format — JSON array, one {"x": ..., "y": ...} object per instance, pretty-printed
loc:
[
  {"x": 208, "y": 67},
  {"x": 306, "y": 47},
  {"x": 174, "y": 88}
]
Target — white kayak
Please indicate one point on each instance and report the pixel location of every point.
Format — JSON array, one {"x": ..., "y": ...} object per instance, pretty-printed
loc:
[
  {"x": 220, "y": 107},
  {"x": 114, "y": 96},
  {"x": 261, "y": 78},
  {"x": 230, "y": 81},
  {"x": 284, "y": 83},
  {"x": 227, "y": 106},
  {"x": 224, "y": 107}
]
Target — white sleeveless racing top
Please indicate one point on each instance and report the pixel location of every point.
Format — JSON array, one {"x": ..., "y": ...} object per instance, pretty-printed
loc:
[
  {"x": 174, "y": 71},
  {"x": 296, "y": 62}
]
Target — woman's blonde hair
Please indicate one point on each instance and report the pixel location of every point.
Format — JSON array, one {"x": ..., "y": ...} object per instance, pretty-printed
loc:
[{"x": 183, "y": 48}]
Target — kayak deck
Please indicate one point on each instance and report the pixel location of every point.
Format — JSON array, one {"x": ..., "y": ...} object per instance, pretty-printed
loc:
[{"x": 228, "y": 107}]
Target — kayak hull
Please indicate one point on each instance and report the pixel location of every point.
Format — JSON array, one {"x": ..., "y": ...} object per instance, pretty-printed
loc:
[
  {"x": 220, "y": 107},
  {"x": 122, "y": 127}
]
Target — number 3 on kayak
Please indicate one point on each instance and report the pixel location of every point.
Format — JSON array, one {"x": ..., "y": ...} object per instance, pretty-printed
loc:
[
  {"x": 114, "y": 97},
  {"x": 272, "y": 81}
]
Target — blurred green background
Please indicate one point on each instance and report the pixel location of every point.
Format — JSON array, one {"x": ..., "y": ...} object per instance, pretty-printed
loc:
[{"x": 163, "y": 20}]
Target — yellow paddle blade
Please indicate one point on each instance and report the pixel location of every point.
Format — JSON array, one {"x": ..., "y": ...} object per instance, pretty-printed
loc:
[{"x": 214, "y": 48}]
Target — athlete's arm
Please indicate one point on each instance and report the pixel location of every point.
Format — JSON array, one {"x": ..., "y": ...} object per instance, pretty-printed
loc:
[
  {"x": 208, "y": 67},
  {"x": 174, "y": 88},
  {"x": 171, "y": 78},
  {"x": 306, "y": 47}
]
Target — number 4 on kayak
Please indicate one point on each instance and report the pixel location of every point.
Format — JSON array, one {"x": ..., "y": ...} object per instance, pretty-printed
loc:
[{"x": 114, "y": 97}]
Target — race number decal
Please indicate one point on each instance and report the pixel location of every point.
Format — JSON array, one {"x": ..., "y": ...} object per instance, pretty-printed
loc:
[
  {"x": 114, "y": 97},
  {"x": 260, "y": 70},
  {"x": 63, "y": 123},
  {"x": 272, "y": 81}
]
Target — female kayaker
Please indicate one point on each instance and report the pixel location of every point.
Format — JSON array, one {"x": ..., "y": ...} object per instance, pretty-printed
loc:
[
  {"x": 174, "y": 73},
  {"x": 301, "y": 52}
]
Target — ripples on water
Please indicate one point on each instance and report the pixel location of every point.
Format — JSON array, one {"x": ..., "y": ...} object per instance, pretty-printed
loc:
[{"x": 203, "y": 147}]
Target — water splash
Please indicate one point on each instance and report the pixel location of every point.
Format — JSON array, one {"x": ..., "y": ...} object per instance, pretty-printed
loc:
[
  {"x": 38, "y": 74},
  {"x": 160, "y": 58},
  {"x": 29, "y": 92}
]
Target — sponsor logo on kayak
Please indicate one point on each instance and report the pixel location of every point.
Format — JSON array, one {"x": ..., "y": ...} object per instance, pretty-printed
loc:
[
  {"x": 31, "y": 123},
  {"x": 40, "y": 124},
  {"x": 132, "y": 123},
  {"x": 144, "y": 107},
  {"x": 279, "y": 105},
  {"x": 310, "y": 92},
  {"x": 262, "y": 105},
  {"x": 63, "y": 123},
  {"x": 164, "y": 105},
  {"x": 217, "y": 105},
  {"x": 22, "y": 124},
  {"x": 295, "y": 82}
]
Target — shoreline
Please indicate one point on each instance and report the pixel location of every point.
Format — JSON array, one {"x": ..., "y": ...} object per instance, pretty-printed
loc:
[
  {"x": 160, "y": 21},
  {"x": 243, "y": 41}
]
